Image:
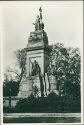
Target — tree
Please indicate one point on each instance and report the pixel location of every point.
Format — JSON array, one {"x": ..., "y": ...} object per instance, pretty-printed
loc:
[
  {"x": 21, "y": 57},
  {"x": 58, "y": 64},
  {"x": 10, "y": 87},
  {"x": 73, "y": 73},
  {"x": 65, "y": 66},
  {"x": 13, "y": 77}
]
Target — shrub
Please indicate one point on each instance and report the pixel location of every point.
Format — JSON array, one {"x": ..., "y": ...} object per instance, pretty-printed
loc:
[{"x": 51, "y": 103}]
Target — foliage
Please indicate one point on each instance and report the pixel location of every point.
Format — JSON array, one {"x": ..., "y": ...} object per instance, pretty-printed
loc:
[
  {"x": 21, "y": 59},
  {"x": 12, "y": 77},
  {"x": 51, "y": 103},
  {"x": 10, "y": 87},
  {"x": 65, "y": 66},
  {"x": 8, "y": 110},
  {"x": 20, "y": 68}
]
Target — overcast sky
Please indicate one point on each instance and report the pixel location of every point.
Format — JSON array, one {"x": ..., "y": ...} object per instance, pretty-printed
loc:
[{"x": 63, "y": 23}]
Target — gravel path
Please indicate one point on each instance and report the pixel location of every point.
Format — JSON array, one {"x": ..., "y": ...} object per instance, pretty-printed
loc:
[{"x": 18, "y": 115}]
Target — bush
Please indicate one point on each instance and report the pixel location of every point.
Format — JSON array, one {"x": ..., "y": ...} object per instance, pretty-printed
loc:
[
  {"x": 32, "y": 105},
  {"x": 8, "y": 110},
  {"x": 51, "y": 103}
]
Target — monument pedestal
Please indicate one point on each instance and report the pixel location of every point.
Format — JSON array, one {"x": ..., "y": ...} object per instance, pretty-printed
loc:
[
  {"x": 25, "y": 88},
  {"x": 37, "y": 57},
  {"x": 31, "y": 85}
]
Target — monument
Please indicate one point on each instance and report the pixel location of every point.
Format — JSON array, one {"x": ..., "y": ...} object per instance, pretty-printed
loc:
[
  {"x": 37, "y": 61},
  {"x": 36, "y": 81}
]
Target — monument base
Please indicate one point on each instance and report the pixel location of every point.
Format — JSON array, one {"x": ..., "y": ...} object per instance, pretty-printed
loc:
[{"x": 28, "y": 86}]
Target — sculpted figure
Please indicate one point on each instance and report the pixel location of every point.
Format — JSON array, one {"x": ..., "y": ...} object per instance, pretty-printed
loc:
[
  {"x": 35, "y": 68},
  {"x": 39, "y": 25}
]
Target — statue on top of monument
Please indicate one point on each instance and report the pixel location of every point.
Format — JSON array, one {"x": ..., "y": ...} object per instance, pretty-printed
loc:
[{"x": 39, "y": 25}]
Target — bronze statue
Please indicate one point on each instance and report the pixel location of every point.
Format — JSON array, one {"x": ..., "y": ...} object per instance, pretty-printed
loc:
[
  {"x": 39, "y": 25},
  {"x": 35, "y": 68}
]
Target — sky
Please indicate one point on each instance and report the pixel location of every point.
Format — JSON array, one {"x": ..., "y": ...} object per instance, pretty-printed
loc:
[{"x": 63, "y": 22}]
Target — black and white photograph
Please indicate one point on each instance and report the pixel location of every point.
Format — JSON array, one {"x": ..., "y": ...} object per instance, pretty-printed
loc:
[{"x": 42, "y": 62}]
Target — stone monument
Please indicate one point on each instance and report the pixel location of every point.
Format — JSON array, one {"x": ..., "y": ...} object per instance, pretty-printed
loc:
[
  {"x": 36, "y": 81},
  {"x": 37, "y": 61}
]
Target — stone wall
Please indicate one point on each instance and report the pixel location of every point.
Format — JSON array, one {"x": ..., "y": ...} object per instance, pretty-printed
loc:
[{"x": 14, "y": 101}]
